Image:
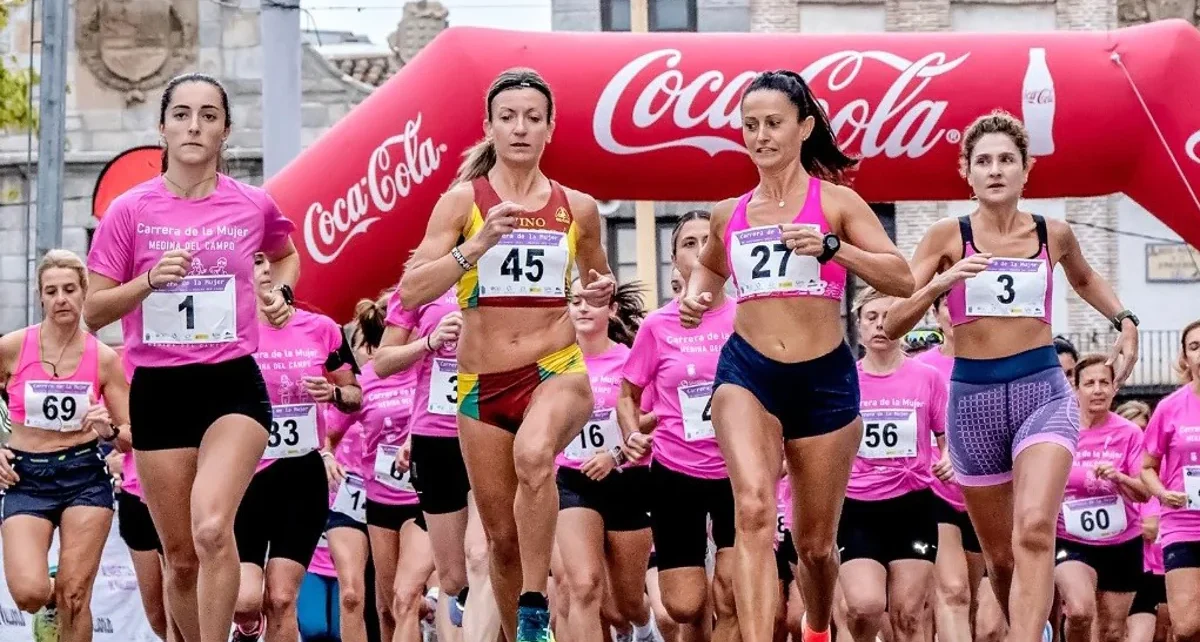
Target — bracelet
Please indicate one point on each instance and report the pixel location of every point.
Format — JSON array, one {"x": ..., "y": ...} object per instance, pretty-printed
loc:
[
  {"x": 462, "y": 260},
  {"x": 429, "y": 344},
  {"x": 148, "y": 281},
  {"x": 326, "y": 454}
]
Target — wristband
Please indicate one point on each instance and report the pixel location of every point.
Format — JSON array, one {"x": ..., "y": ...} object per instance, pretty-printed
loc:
[
  {"x": 148, "y": 281},
  {"x": 462, "y": 260},
  {"x": 429, "y": 343}
]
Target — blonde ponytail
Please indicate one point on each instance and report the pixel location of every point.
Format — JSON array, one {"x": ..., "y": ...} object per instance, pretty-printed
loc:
[{"x": 477, "y": 161}]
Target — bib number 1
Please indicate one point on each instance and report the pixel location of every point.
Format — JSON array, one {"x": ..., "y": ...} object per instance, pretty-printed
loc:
[
  {"x": 351, "y": 499},
  {"x": 1191, "y": 486},
  {"x": 199, "y": 309}
]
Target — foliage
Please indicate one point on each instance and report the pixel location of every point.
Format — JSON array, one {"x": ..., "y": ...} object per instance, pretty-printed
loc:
[{"x": 16, "y": 112}]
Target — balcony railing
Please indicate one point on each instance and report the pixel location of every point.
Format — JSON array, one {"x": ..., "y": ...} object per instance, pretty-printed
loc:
[{"x": 1158, "y": 354}]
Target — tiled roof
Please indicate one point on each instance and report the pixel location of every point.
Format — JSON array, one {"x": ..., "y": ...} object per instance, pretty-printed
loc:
[{"x": 372, "y": 68}]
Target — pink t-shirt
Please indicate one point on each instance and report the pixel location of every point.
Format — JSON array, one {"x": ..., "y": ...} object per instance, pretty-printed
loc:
[
  {"x": 900, "y": 411},
  {"x": 285, "y": 356},
  {"x": 601, "y": 433},
  {"x": 680, "y": 365},
  {"x": 322, "y": 561},
  {"x": 1174, "y": 435},
  {"x": 435, "y": 409},
  {"x": 950, "y": 492},
  {"x": 351, "y": 451},
  {"x": 386, "y": 408},
  {"x": 1093, "y": 512},
  {"x": 1152, "y": 554},
  {"x": 210, "y": 316}
]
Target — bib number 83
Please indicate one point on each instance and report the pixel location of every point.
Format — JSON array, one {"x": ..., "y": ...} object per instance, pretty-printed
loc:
[{"x": 276, "y": 436}]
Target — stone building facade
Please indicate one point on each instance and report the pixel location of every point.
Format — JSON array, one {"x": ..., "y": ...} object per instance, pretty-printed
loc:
[{"x": 115, "y": 86}]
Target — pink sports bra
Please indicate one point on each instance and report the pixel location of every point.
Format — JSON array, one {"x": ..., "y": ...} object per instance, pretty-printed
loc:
[
  {"x": 763, "y": 267},
  {"x": 41, "y": 400},
  {"x": 1012, "y": 288}
]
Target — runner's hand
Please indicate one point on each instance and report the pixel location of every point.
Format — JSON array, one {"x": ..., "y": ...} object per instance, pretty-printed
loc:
[
  {"x": 692, "y": 309},
  {"x": 447, "y": 330},
  {"x": 599, "y": 292},
  {"x": 498, "y": 221},
  {"x": 1173, "y": 499},
  {"x": 637, "y": 446},
  {"x": 319, "y": 388},
  {"x": 8, "y": 476},
  {"x": 943, "y": 469},
  {"x": 802, "y": 240},
  {"x": 404, "y": 457},
  {"x": 1124, "y": 354},
  {"x": 170, "y": 269},
  {"x": 963, "y": 270},
  {"x": 334, "y": 472},
  {"x": 275, "y": 308},
  {"x": 599, "y": 466}
]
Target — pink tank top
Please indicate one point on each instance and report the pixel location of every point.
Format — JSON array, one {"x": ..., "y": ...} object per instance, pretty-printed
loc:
[
  {"x": 1010, "y": 288},
  {"x": 58, "y": 403},
  {"x": 763, "y": 267}
]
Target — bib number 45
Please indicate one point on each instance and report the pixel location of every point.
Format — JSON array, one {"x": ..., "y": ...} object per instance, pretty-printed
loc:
[{"x": 532, "y": 269}]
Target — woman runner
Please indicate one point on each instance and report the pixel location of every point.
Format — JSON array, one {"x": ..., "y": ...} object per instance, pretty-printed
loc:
[
  {"x": 786, "y": 382},
  {"x": 688, "y": 482},
  {"x": 509, "y": 236},
  {"x": 396, "y": 527},
  {"x": 306, "y": 363},
  {"x": 1098, "y": 567},
  {"x": 1013, "y": 419},
  {"x": 604, "y": 525},
  {"x": 1172, "y": 474},
  {"x": 173, "y": 259},
  {"x": 888, "y": 532},
  {"x": 66, "y": 391}
]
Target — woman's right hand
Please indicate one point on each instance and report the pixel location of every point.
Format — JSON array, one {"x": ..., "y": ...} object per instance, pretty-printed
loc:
[
  {"x": 498, "y": 221},
  {"x": 961, "y": 271},
  {"x": 1173, "y": 499},
  {"x": 447, "y": 330},
  {"x": 171, "y": 268}
]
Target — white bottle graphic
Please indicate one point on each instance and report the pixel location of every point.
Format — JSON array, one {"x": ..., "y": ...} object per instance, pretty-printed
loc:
[{"x": 1037, "y": 104}]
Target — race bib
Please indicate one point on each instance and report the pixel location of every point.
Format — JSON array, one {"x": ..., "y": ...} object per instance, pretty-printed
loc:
[
  {"x": 351, "y": 499},
  {"x": 780, "y": 529},
  {"x": 324, "y": 541},
  {"x": 764, "y": 265},
  {"x": 1008, "y": 288},
  {"x": 443, "y": 387},
  {"x": 199, "y": 309},
  {"x": 1191, "y": 486},
  {"x": 1095, "y": 518},
  {"x": 57, "y": 405},
  {"x": 525, "y": 263},
  {"x": 386, "y": 472},
  {"x": 888, "y": 434},
  {"x": 293, "y": 431},
  {"x": 695, "y": 403},
  {"x": 600, "y": 433}
]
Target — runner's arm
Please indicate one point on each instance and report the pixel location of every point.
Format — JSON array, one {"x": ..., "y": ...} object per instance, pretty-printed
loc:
[
  {"x": 432, "y": 269},
  {"x": 927, "y": 260},
  {"x": 867, "y": 251},
  {"x": 285, "y": 264},
  {"x": 107, "y": 300}
]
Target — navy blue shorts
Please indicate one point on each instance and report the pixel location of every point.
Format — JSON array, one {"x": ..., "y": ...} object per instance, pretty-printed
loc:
[
  {"x": 1181, "y": 555},
  {"x": 55, "y": 481},
  {"x": 342, "y": 520},
  {"x": 809, "y": 398}
]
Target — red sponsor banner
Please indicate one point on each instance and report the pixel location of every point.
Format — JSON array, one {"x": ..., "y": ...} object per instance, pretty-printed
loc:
[{"x": 655, "y": 116}]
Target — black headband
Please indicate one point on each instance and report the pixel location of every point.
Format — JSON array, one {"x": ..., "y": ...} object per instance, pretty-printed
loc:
[{"x": 513, "y": 83}]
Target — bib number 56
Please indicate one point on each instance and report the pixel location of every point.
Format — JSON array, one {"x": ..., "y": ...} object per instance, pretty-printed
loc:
[{"x": 876, "y": 434}]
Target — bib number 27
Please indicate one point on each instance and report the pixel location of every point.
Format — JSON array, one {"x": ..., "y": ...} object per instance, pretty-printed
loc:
[
  {"x": 763, "y": 254},
  {"x": 531, "y": 269}
]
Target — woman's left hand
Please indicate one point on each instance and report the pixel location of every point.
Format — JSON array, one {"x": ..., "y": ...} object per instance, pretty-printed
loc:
[
  {"x": 1124, "y": 353},
  {"x": 319, "y": 388},
  {"x": 599, "y": 466}
]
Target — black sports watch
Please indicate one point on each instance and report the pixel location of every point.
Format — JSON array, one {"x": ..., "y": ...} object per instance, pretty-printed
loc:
[
  {"x": 1119, "y": 319},
  {"x": 289, "y": 297},
  {"x": 830, "y": 244}
]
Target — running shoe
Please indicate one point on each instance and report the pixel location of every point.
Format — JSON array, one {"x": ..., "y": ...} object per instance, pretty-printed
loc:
[
  {"x": 45, "y": 625},
  {"x": 811, "y": 635},
  {"x": 457, "y": 607},
  {"x": 533, "y": 624},
  {"x": 249, "y": 636},
  {"x": 618, "y": 636}
]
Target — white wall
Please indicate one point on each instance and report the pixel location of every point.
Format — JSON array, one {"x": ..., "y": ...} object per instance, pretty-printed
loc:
[
  {"x": 1049, "y": 208},
  {"x": 999, "y": 18},
  {"x": 1159, "y": 306},
  {"x": 834, "y": 18}
]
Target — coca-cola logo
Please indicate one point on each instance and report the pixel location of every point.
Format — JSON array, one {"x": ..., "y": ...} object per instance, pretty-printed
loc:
[
  {"x": 899, "y": 123},
  {"x": 1039, "y": 96},
  {"x": 1192, "y": 146},
  {"x": 328, "y": 230}
]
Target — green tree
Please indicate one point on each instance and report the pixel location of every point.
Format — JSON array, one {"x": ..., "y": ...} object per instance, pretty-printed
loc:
[{"x": 15, "y": 82}]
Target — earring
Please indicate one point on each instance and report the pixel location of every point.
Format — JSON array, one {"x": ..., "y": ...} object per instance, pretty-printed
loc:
[{"x": 224, "y": 144}]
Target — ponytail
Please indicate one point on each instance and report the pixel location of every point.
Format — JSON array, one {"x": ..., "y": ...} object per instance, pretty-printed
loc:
[
  {"x": 820, "y": 155},
  {"x": 625, "y": 321},
  {"x": 371, "y": 319},
  {"x": 477, "y": 161}
]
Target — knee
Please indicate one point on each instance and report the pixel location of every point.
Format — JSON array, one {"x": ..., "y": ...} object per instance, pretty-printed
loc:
[
  {"x": 72, "y": 596},
  {"x": 685, "y": 609},
  {"x": 813, "y": 549},
  {"x": 954, "y": 591},
  {"x": 1033, "y": 531},
  {"x": 534, "y": 463},
  {"x": 1113, "y": 630},
  {"x": 280, "y": 601},
  {"x": 350, "y": 598},
  {"x": 756, "y": 513},
  {"x": 407, "y": 598},
  {"x": 632, "y": 607},
  {"x": 504, "y": 550},
  {"x": 864, "y": 611},
  {"x": 1186, "y": 626},
  {"x": 30, "y": 596},
  {"x": 723, "y": 595},
  {"x": 906, "y": 618},
  {"x": 586, "y": 587},
  {"x": 211, "y": 535},
  {"x": 477, "y": 558}
]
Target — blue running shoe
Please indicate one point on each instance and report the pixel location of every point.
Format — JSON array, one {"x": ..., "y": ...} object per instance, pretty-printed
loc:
[{"x": 533, "y": 624}]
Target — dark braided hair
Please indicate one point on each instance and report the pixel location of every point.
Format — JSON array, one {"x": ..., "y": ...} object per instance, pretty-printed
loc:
[{"x": 820, "y": 155}]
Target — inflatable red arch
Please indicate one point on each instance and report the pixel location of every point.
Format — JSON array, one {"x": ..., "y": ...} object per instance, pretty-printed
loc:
[{"x": 655, "y": 117}]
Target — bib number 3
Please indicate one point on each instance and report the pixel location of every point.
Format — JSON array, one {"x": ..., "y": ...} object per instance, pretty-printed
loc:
[
  {"x": 1191, "y": 486},
  {"x": 1008, "y": 288},
  {"x": 443, "y": 387}
]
